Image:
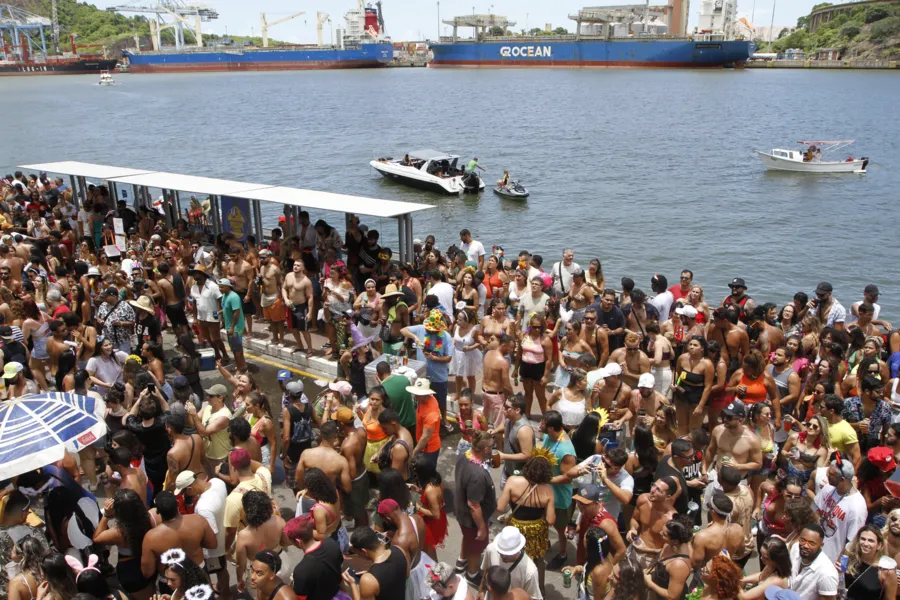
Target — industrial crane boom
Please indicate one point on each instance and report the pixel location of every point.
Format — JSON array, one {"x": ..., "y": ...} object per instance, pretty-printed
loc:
[
  {"x": 265, "y": 24},
  {"x": 321, "y": 19}
]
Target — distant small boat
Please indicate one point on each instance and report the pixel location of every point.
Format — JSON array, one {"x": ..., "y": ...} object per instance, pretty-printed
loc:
[
  {"x": 512, "y": 189},
  {"x": 811, "y": 161},
  {"x": 106, "y": 78}
]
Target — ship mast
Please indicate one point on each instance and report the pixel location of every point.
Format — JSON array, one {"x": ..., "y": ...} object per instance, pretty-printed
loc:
[{"x": 55, "y": 18}]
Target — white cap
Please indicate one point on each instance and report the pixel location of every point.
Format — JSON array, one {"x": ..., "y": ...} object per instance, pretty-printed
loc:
[
  {"x": 647, "y": 380},
  {"x": 688, "y": 311},
  {"x": 612, "y": 370}
]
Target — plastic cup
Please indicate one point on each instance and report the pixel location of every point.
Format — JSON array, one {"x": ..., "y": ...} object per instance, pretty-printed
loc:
[
  {"x": 495, "y": 458},
  {"x": 788, "y": 423},
  {"x": 468, "y": 423}
]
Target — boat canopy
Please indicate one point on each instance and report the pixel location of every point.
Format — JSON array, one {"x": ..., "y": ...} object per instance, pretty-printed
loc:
[
  {"x": 827, "y": 142},
  {"x": 431, "y": 155}
]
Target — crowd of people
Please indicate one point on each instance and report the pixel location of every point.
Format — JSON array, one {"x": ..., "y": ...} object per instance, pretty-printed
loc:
[{"x": 673, "y": 439}]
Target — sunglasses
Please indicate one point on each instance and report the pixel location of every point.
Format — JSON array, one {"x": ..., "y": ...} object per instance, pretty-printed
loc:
[
  {"x": 821, "y": 296},
  {"x": 685, "y": 278}
]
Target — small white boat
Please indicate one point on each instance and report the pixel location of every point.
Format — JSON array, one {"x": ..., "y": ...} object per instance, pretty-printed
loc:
[
  {"x": 811, "y": 160},
  {"x": 106, "y": 78},
  {"x": 429, "y": 170}
]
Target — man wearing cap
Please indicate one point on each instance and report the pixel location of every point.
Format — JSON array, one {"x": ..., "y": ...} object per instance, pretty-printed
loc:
[
  {"x": 507, "y": 551},
  {"x": 732, "y": 443},
  {"x": 353, "y": 448},
  {"x": 645, "y": 401},
  {"x": 297, "y": 293},
  {"x": 870, "y": 297},
  {"x": 446, "y": 584},
  {"x": 687, "y": 316},
  {"x": 632, "y": 360},
  {"x": 188, "y": 452},
  {"x": 297, "y": 420},
  {"x": 233, "y": 319},
  {"x": 594, "y": 513},
  {"x": 205, "y": 295},
  {"x": 183, "y": 394},
  {"x": 261, "y": 480},
  {"x": 813, "y": 574},
  {"x": 614, "y": 393},
  {"x": 739, "y": 297},
  {"x": 16, "y": 383},
  {"x": 270, "y": 295},
  {"x": 428, "y": 421},
  {"x": 117, "y": 318},
  {"x": 831, "y": 313},
  {"x": 841, "y": 507},
  {"x": 435, "y": 347},
  {"x": 607, "y": 472},
  {"x": 212, "y": 424},
  {"x": 327, "y": 458}
]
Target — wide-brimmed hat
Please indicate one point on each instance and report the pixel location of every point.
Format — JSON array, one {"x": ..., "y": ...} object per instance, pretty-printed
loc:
[
  {"x": 434, "y": 322},
  {"x": 510, "y": 541},
  {"x": 144, "y": 303},
  {"x": 422, "y": 387},
  {"x": 358, "y": 338},
  {"x": 390, "y": 291},
  {"x": 201, "y": 268}
]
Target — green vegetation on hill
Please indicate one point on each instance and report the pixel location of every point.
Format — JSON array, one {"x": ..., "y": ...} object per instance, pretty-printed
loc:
[{"x": 866, "y": 32}]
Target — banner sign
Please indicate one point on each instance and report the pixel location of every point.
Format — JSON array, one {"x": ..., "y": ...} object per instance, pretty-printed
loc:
[{"x": 236, "y": 217}]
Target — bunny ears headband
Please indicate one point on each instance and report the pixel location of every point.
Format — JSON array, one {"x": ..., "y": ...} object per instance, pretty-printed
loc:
[{"x": 79, "y": 568}]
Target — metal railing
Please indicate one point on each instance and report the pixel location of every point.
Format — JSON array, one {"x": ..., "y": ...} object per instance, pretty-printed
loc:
[{"x": 565, "y": 38}]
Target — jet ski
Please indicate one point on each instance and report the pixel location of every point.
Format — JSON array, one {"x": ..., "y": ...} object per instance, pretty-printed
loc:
[{"x": 513, "y": 189}]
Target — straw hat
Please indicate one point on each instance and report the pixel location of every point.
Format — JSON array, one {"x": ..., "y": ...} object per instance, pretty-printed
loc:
[
  {"x": 390, "y": 291},
  {"x": 144, "y": 303},
  {"x": 422, "y": 387},
  {"x": 200, "y": 268}
]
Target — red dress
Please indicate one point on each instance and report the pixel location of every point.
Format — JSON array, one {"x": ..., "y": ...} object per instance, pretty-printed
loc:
[{"x": 435, "y": 528}]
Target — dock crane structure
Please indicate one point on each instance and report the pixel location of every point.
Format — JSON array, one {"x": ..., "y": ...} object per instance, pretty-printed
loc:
[
  {"x": 321, "y": 19},
  {"x": 264, "y": 25},
  {"x": 183, "y": 17}
]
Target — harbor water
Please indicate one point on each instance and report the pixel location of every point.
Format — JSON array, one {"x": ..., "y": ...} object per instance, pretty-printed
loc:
[{"x": 648, "y": 170}]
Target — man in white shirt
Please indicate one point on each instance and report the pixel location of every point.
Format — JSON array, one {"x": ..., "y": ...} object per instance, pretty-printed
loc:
[
  {"x": 831, "y": 313},
  {"x": 841, "y": 508},
  {"x": 443, "y": 291},
  {"x": 608, "y": 472},
  {"x": 562, "y": 272},
  {"x": 870, "y": 296},
  {"x": 84, "y": 220},
  {"x": 209, "y": 502},
  {"x": 473, "y": 248},
  {"x": 205, "y": 295},
  {"x": 663, "y": 299},
  {"x": 813, "y": 576},
  {"x": 507, "y": 551}
]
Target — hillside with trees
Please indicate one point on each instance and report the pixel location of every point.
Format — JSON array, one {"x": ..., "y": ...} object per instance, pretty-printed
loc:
[{"x": 868, "y": 32}]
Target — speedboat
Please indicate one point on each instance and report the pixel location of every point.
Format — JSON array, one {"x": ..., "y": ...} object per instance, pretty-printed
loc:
[
  {"x": 811, "y": 160},
  {"x": 106, "y": 78},
  {"x": 512, "y": 189},
  {"x": 429, "y": 170}
]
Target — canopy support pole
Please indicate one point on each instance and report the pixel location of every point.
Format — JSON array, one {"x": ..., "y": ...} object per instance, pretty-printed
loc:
[
  {"x": 82, "y": 190},
  {"x": 401, "y": 238},
  {"x": 74, "y": 189},
  {"x": 135, "y": 201},
  {"x": 168, "y": 215},
  {"x": 257, "y": 209},
  {"x": 216, "y": 215},
  {"x": 114, "y": 193},
  {"x": 410, "y": 247}
]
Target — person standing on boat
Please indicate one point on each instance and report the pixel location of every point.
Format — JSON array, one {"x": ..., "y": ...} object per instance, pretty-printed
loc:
[{"x": 473, "y": 164}]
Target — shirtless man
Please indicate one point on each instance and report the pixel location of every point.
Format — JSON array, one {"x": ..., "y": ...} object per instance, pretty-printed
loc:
[
  {"x": 496, "y": 385},
  {"x": 596, "y": 337},
  {"x": 188, "y": 452},
  {"x": 734, "y": 340},
  {"x": 401, "y": 443},
  {"x": 270, "y": 301},
  {"x": 580, "y": 293},
  {"x": 633, "y": 361},
  {"x": 173, "y": 293},
  {"x": 768, "y": 337},
  {"x": 243, "y": 275},
  {"x": 647, "y": 399},
  {"x": 718, "y": 533},
  {"x": 611, "y": 389},
  {"x": 123, "y": 475},
  {"x": 732, "y": 443},
  {"x": 83, "y": 335},
  {"x": 653, "y": 511},
  {"x": 297, "y": 294},
  {"x": 409, "y": 534},
  {"x": 353, "y": 448},
  {"x": 56, "y": 344},
  {"x": 326, "y": 457},
  {"x": 191, "y": 533},
  {"x": 14, "y": 263}
]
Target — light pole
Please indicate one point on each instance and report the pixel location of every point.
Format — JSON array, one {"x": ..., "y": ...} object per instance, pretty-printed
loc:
[{"x": 772, "y": 25}]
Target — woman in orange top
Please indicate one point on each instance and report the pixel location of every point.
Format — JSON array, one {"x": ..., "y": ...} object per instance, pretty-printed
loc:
[
  {"x": 751, "y": 383},
  {"x": 376, "y": 438}
]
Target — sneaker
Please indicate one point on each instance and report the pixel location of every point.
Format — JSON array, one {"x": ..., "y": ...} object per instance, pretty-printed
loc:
[{"x": 557, "y": 563}]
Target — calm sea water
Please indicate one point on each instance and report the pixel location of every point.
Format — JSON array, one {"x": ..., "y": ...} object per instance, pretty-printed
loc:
[{"x": 651, "y": 171}]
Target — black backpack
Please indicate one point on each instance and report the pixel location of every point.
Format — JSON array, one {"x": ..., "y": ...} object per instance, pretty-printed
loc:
[{"x": 301, "y": 428}]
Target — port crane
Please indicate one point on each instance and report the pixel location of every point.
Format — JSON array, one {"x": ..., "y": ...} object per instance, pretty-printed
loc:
[
  {"x": 183, "y": 17},
  {"x": 321, "y": 19},
  {"x": 264, "y": 25}
]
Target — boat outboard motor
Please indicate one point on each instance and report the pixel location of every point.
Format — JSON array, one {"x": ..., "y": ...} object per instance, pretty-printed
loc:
[
  {"x": 470, "y": 182},
  {"x": 865, "y": 164}
]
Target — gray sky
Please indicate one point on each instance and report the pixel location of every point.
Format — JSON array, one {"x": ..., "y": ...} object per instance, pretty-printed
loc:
[{"x": 418, "y": 19}]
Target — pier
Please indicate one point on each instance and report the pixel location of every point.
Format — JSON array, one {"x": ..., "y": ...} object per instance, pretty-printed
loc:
[{"x": 823, "y": 64}]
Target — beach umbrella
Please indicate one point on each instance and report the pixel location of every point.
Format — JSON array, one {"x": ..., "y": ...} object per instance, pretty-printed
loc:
[{"x": 35, "y": 430}]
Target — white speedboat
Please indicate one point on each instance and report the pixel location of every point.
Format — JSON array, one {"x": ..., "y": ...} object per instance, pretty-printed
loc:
[
  {"x": 106, "y": 78},
  {"x": 429, "y": 170},
  {"x": 811, "y": 160}
]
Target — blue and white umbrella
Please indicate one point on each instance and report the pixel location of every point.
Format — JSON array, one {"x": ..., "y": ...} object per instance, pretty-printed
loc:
[{"x": 35, "y": 430}]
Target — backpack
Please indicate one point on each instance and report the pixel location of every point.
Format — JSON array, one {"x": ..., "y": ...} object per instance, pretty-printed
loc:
[
  {"x": 409, "y": 296},
  {"x": 301, "y": 429}
]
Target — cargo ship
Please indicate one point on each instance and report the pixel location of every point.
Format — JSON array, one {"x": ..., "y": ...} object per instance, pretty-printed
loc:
[
  {"x": 618, "y": 36},
  {"x": 361, "y": 45},
  {"x": 23, "y": 48}
]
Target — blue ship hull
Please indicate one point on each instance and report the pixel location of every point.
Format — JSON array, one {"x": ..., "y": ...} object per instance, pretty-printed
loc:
[
  {"x": 261, "y": 59},
  {"x": 543, "y": 52}
]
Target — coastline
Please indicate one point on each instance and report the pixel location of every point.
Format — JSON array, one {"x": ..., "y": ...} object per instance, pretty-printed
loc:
[{"x": 824, "y": 64}]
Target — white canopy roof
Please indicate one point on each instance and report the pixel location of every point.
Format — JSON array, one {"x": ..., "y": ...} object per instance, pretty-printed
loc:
[
  {"x": 83, "y": 169},
  {"x": 190, "y": 183},
  {"x": 430, "y": 154},
  {"x": 335, "y": 202},
  {"x": 224, "y": 187}
]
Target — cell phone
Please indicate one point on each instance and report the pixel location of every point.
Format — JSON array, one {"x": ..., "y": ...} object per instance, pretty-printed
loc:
[
  {"x": 354, "y": 575},
  {"x": 642, "y": 412},
  {"x": 151, "y": 387}
]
